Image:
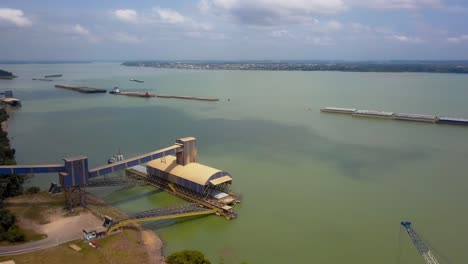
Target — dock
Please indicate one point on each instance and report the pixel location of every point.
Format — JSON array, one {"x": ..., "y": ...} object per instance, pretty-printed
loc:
[
  {"x": 80, "y": 89},
  {"x": 397, "y": 116}
]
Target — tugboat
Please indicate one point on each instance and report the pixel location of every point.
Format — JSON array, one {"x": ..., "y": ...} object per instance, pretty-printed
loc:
[
  {"x": 118, "y": 157},
  {"x": 116, "y": 90}
]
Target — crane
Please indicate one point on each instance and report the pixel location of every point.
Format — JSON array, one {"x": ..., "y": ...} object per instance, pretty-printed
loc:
[{"x": 419, "y": 244}]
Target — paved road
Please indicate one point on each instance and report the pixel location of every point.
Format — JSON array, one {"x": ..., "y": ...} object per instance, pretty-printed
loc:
[{"x": 60, "y": 231}]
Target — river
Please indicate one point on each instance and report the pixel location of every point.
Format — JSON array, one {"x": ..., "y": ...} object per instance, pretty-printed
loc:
[{"x": 316, "y": 188}]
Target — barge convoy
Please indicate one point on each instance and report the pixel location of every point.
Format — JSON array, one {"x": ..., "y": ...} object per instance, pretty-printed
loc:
[
  {"x": 396, "y": 116},
  {"x": 80, "y": 89}
]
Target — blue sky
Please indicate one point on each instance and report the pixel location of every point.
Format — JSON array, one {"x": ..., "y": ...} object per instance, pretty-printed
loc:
[{"x": 233, "y": 29}]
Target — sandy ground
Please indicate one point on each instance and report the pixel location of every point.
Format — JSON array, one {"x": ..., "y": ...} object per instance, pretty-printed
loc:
[{"x": 58, "y": 231}]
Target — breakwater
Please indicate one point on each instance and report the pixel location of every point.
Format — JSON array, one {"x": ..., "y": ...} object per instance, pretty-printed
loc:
[{"x": 396, "y": 116}]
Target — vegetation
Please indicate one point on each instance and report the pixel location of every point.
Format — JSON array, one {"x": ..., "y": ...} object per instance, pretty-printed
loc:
[
  {"x": 8, "y": 229},
  {"x": 6, "y": 75},
  {"x": 32, "y": 190},
  {"x": 187, "y": 257},
  {"x": 10, "y": 185},
  {"x": 344, "y": 66}
]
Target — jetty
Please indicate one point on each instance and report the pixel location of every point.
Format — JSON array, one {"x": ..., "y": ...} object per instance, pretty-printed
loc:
[
  {"x": 80, "y": 89},
  {"x": 396, "y": 116}
]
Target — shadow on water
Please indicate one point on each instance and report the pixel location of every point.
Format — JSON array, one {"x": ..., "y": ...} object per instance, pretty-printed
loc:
[
  {"x": 136, "y": 197},
  {"x": 162, "y": 224},
  {"x": 159, "y": 126}
]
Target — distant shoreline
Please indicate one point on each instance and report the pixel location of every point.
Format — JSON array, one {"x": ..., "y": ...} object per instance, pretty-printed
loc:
[{"x": 457, "y": 67}]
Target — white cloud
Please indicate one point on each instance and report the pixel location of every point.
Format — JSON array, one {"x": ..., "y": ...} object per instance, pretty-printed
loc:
[
  {"x": 80, "y": 30},
  {"x": 406, "y": 39},
  {"x": 320, "y": 41},
  {"x": 395, "y": 4},
  {"x": 360, "y": 28},
  {"x": 459, "y": 39},
  {"x": 169, "y": 16},
  {"x": 126, "y": 15},
  {"x": 268, "y": 12},
  {"x": 334, "y": 25},
  {"x": 126, "y": 38},
  {"x": 14, "y": 16},
  {"x": 280, "y": 34}
]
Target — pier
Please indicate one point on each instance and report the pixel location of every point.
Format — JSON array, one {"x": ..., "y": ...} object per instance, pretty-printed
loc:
[
  {"x": 396, "y": 116},
  {"x": 174, "y": 169}
]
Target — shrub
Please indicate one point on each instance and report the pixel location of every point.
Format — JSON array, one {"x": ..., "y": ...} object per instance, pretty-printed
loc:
[
  {"x": 187, "y": 257},
  {"x": 32, "y": 190}
]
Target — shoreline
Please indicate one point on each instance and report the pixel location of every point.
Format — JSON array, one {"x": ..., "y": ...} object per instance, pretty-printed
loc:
[{"x": 151, "y": 241}]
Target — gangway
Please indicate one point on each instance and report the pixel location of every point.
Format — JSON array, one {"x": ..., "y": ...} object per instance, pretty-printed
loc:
[
  {"x": 419, "y": 244},
  {"x": 158, "y": 214}
]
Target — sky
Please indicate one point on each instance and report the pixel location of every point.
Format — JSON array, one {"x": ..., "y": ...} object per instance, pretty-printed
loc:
[{"x": 234, "y": 30}]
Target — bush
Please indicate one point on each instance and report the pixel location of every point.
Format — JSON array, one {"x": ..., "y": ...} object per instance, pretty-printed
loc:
[
  {"x": 187, "y": 257},
  {"x": 14, "y": 234},
  {"x": 32, "y": 190}
]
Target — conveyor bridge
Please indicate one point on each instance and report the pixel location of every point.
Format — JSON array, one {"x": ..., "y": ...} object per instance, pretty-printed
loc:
[{"x": 158, "y": 214}]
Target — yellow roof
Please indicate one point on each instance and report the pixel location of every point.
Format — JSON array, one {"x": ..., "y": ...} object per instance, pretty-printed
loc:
[
  {"x": 194, "y": 172},
  {"x": 221, "y": 180},
  {"x": 10, "y": 99}
]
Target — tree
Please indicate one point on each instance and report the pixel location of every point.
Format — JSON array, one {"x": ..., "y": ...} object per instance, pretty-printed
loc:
[{"x": 187, "y": 257}]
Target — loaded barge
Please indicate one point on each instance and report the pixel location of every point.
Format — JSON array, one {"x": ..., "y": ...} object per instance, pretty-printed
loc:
[
  {"x": 188, "y": 97},
  {"x": 397, "y": 116},
  {"x": 81, "y": 89}
]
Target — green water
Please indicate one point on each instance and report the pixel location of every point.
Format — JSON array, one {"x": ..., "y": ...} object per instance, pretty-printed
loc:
[{"x": 316, "y": 188}]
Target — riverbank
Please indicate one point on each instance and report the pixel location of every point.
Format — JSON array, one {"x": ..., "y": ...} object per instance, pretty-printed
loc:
[{"x": 45, "y": 214}]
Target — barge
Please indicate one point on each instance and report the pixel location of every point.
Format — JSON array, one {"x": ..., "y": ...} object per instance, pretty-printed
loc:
[
  {"x": 372, "y": 113},
  {"x": 338, "y": 110},
  {"x": 187, "y": 97},
  {"x": 415, "y": 117},
  {"x": 135, "y": 80},
  {"x": 453, "y": 121},
  {"x": 53, "y": 76},
  {"x": 80, "y": 89},
  {"x": 117, "y": 91},
  {"x": 397, "y": 116}
]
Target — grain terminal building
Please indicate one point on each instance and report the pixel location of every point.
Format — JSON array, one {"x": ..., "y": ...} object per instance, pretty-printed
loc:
[{"x": 183, "y": 174}]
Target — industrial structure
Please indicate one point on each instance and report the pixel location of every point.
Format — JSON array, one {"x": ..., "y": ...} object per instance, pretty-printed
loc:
[
  {"x": 174, "y": 169},
  {"x": 419, "y": 244}
]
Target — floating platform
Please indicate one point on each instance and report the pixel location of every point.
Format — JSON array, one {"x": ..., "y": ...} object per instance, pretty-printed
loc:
[
  {"x": 397, "y": 116},
  {"x": 81, "y": 89},
  {"x": 187, "y": 97}
]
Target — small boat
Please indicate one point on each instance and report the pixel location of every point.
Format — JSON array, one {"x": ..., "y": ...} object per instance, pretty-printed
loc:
[
  {"x": 115, "y": 90},
  {"x": 116, "y": 158},
  {"x": 135, "y": 80}
]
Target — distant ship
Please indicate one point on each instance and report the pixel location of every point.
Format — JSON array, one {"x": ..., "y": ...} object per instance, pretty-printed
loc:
[
  {"x": 116, "y": 158},
  {"x": 53, "y": 76},
  {"x": 135, "y": 80}
]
